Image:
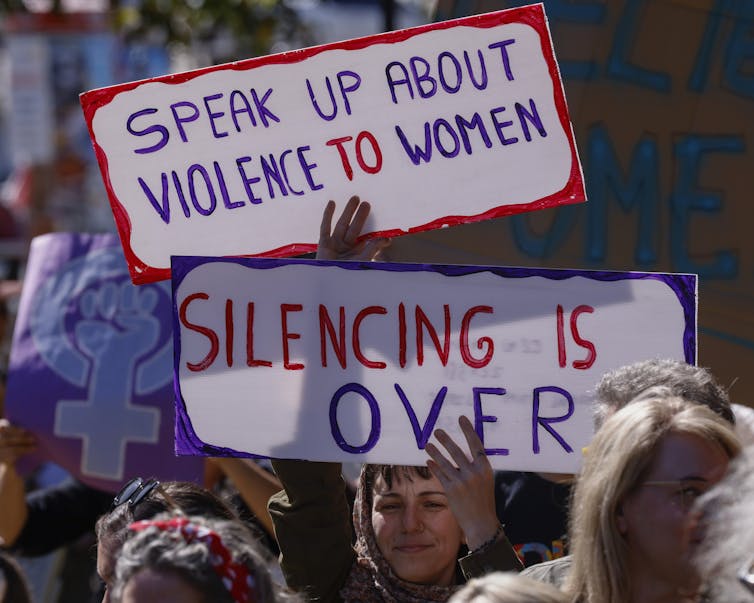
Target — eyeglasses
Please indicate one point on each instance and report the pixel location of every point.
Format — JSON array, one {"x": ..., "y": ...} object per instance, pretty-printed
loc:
[
  {"x": 686, "y": 492},
  {"x": 746, "y": 574},
  {"x": 137, "y": 490}
]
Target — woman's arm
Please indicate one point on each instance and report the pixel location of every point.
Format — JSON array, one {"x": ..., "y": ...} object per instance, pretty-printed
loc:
[
  {"x": 14, "y": 442},
  {"x": 254, "y": 484},
  {"x": 311, "y": 515},
  {"x": 313, "y": 528}
]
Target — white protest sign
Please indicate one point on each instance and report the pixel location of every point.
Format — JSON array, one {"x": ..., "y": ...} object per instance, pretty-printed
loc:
[
  {"x": 438, "y": 125},
  {"x": 361, "y": 362}
]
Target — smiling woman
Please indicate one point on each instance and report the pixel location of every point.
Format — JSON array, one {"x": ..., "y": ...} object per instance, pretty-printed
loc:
[
  {"x": 411, "y": 523},
  {"x": 408, "y": 537}
]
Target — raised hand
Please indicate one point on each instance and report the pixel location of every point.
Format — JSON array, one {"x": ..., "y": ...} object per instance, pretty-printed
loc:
[
  {"x": 469, "y": 483},
  {"x": 342, "y": 243},
  {"x": 14, "y": 442}
]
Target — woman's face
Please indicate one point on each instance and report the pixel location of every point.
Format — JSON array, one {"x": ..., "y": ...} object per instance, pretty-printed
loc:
[
  {"x": 415, "y": 530},
  {"x": 656, "y": 520},
  {"x": 150, "y": 586}
]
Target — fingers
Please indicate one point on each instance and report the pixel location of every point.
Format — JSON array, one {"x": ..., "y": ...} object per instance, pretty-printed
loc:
[
  {"x": 357, "y": 223},
  {"x": 472, "y": 438},
  {"x": 440, "y": 466},
  {"x": 343, "y": 242},
  {"x": 461, "y": 460},
  {"x": 340, "y": 232},
  {"x": 15, "y": 442},
  {"x": 12, "y": 435},
  {"x": 456, "y": 453},
  {"x": 326, "y": 225}
]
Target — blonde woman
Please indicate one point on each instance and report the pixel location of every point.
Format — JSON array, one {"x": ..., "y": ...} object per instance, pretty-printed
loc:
[{"x": 631, "y": 521}]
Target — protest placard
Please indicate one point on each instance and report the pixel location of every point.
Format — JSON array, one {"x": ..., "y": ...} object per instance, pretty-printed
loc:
[
  {"x": 90, "y": 368},
  {"x": 349, "y": 361},
  {"x": 437, "y": 125}
]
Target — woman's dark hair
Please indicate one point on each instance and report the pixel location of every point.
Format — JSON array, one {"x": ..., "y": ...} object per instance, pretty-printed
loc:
[
  {"x": 390, "y": 472},
  {"x": 112, "y": 527}
]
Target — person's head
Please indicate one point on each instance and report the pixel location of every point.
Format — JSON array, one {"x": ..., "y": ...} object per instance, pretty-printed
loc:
[
  {"x": 504, "y": 587},
  {"x": 692, "y": 383},
  {"x": 630, "y": 513},
  {"x": 193, "y": 560},
  {"x": 402, "y": 515},
  {"x": 13, "y": 585},
  {"x": 143, "y": 499},
  {"x": 726, "y": 557}
]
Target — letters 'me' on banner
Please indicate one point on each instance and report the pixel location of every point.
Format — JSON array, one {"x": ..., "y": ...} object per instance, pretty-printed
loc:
[
  {"x": 438, "y": 125},
  {"x": 90, "y": 367},
  {"x": 362, "y": 361}
]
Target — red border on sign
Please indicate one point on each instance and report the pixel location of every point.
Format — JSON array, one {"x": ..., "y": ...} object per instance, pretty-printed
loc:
[{"x": 534, "y": 16}]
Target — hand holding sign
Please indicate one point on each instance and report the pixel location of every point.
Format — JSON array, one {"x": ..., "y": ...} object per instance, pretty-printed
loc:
[
  {"x": 14, "y": 442},
  {"x": 343, "y": 243},
  {"x": 468, "y": 482}
]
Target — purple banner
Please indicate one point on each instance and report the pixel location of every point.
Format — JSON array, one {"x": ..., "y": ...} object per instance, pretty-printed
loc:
[{"x": 91, "y": 364}]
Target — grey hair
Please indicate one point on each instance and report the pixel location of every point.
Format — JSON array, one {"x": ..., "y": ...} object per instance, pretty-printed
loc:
[
  {"x": 507, "y": 587},
  {"x": 166, "y": 551},
  {"x": 692, "y": 383},
  {"x": 728, "y": 515}
]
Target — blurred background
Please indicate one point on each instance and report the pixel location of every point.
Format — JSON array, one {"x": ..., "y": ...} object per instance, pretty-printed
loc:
[{"x": 50, "y": 52}]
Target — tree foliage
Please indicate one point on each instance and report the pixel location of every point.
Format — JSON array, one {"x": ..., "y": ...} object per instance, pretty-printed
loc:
[{"x": 216, "y": 30}]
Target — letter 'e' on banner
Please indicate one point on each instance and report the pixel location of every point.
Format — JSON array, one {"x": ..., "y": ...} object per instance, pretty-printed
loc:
[{"x": 437, "y": 125}]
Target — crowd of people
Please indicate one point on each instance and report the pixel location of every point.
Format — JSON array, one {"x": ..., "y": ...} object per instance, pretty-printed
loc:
[{"x": 661, "y": 512}]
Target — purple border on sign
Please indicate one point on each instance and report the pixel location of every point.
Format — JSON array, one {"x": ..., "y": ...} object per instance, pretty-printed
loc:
[{"x": 188, "y": 443}]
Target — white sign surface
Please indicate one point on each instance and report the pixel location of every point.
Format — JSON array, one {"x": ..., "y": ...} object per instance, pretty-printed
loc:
[
  {"x": 437, "y": 125},
  {"x": 361, "y": 362}
]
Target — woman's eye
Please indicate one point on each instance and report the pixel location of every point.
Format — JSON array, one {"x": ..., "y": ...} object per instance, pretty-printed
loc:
[
  {"x": 434, "y": 505},
  {"x": 388, "y": 507},
  {"x": 691, "y": 492}
]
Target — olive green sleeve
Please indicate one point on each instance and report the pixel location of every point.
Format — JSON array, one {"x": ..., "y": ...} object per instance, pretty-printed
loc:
[
  {"x": 313, "y": 528},
  {"x": 498, "y": 557}
]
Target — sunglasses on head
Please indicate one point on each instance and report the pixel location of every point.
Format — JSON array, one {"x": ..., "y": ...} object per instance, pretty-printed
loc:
[{"x": 137, "y": 490}]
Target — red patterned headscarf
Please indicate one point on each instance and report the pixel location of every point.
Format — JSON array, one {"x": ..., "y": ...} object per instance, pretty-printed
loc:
[{"x": 235, "y": 576}]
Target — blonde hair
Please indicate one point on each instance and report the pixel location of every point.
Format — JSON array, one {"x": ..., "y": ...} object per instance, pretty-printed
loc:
[
  {"x": 619, "y": 456},
  {"x": 500, "y": 587}
]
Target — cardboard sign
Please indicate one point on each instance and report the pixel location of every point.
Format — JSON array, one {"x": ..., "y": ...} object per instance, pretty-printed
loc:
[
  {"x": 362, "y": 361},
  {"x": 90, "y": 365},
  {"x": 437, "y": 125},
  {"x": 661, "y": 95}
]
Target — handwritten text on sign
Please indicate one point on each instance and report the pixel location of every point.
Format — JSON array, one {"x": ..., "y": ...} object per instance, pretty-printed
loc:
[
  {"x": 441, "y": 124},
  {"x": 347, "y": 361}
]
